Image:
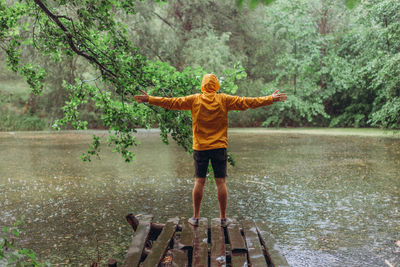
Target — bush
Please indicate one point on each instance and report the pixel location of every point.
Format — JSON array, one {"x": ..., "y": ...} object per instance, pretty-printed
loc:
[{"x": 12, "y": 121}]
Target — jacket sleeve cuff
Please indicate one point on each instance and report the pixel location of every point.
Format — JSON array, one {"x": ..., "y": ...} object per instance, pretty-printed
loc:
[
  {"x": 154, "y": 100},
  {"x": 270, "y": 99}
]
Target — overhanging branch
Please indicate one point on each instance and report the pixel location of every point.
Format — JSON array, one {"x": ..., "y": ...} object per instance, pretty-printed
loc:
[
  {"x": 164, "y": 20},
  {"x": 70, "y": 40}
]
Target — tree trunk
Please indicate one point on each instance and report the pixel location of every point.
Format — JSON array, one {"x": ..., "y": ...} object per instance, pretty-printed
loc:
[
  {"x": 295, "y": 70},
  {"x": 322, "y": 26},
  {"x": 387, "y": 36}
]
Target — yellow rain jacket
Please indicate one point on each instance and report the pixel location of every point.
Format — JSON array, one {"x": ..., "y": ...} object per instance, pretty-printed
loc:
[{"x": 210, "y": 112}]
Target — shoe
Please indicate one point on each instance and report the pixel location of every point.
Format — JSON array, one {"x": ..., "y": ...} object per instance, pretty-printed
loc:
[
  {"x": 193, "y": 221},
  {"x": 225, "y": 222}
]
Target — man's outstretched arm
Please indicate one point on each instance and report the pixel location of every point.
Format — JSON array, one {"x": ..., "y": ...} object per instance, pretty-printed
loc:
[
  {"x": 243, "y": 103},
  {"x": 177, "y": 103}
]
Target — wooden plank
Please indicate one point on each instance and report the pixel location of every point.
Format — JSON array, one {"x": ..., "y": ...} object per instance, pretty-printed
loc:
[
  {"x": 218, "y": 257},
  {"x": 187, "y": 235},
  {"x": 161, "y": 244},
  {"x": 179, "y": 258},
  {"x": 200, "y": 244},
  {"x": 138, "y": 241},
  {"x": 239, "y": 259},
  {"x": 235, "y": 237},
  {"x": 272, "y": 250},
  {"x": 237, "y": 244},
  {"x": 254, "y": 249}
]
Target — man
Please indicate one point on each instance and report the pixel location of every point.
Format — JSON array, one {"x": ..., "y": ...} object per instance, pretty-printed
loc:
[{"x": 210, "y": 138}]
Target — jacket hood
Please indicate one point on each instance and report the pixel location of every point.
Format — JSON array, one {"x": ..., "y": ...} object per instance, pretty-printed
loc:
[{"x": 209, "y": 84}]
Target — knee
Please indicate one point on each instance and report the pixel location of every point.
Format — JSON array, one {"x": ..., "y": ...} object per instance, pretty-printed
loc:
[
  {"x": 220, "y": 181},
  {"x": 200, "y": 181}
]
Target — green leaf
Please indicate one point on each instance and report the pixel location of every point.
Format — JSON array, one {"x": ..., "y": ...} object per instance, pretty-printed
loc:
[
  {"x": 351, "y": 3},
  {"x": 15, "y": 232},
  {"x": 267, "y": 2},
  {"x": 253, "y": 4}
]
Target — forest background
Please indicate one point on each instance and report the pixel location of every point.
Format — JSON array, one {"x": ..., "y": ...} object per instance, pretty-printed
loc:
[
  {"x": 76, "y": 64},
  {"x": 339, "y": 65}
]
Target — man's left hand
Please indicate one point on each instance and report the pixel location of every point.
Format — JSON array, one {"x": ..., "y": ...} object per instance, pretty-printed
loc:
[{"x": 142, "y": 98}]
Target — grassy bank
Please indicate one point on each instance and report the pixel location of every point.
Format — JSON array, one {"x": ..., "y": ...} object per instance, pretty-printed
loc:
[
  {"x": 14, "y": 94},
  {"x": 11, "y": 121},
  {"x": 373, "y": 132}
]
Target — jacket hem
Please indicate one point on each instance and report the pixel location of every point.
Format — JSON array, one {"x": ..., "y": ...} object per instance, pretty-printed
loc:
[{"x": 202, "y": 148}]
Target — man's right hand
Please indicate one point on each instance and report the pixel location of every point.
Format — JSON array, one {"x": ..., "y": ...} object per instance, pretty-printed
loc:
[
  {"x": 279, "y": 97},
  {"x": 142, "y": 98}
]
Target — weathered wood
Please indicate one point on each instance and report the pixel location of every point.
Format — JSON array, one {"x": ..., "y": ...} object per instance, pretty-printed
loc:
[
  {"x": 235, "y": 237},
  {"x": 200, "y": 244},
  {"x": 239, "y": 259},
  {"x": 186, "y": 240},
  {"x": 138, "y": 241},
  {"x": 237, "y": 244},
  {"x": 166, "y": 261},
  {"x": 252, "y": 246},
  {"x": 272, "y": 250},
  {"x": 179, "y": 258},
  {"x": 132, "y": 220},
  {"x": 161, "y": 244},
  {"x": 155, "y": 230},
  {"x": 218, "y": 257},
  {"x": 254, "y": 249}
]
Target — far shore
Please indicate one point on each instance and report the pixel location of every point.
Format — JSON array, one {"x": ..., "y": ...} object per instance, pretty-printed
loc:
[
  {"x": 372, "y": 132},
  {"x": 324, "y": 131}
]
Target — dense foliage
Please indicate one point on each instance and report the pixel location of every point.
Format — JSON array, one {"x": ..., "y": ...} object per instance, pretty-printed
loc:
[
  {"x": 365, "y": 70},
  {"x": 338, "y": 65}
]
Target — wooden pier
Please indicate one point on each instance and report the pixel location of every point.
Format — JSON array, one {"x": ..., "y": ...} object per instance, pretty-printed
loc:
[{"x": 177, "y": 243}]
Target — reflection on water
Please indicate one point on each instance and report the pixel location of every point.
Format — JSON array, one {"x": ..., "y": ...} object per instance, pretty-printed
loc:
[{"x": 329, "y": 200}]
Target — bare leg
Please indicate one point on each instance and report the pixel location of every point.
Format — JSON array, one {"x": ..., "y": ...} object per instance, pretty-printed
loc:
[
  {"x": 197, "y": 195},
  {"x": 222, "y": 194}
]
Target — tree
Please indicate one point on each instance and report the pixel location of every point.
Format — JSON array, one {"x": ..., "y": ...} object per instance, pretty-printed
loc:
[
  {"x": 364, "y": 70},
  {"x": 93, "y": 31},
  {"x": 302, "y": 29}
]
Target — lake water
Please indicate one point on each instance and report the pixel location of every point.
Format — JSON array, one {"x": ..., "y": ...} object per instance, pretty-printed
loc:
[{"x": 330, "y": 200}]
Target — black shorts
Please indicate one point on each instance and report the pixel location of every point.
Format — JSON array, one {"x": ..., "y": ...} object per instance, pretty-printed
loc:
[{"x": 218, "y": 161}]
